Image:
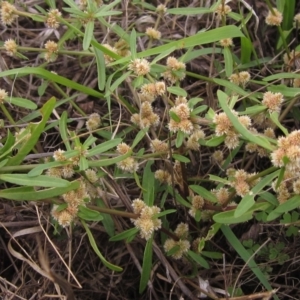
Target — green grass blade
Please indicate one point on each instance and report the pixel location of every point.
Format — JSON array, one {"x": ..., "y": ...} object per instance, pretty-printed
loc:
[
  {"x": 100, "y": 68},
  {"x": 147, "y": 265},
  {"x": 97, "y": 251}
]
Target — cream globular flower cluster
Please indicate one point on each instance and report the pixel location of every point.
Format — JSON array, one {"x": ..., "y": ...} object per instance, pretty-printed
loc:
[
  {"x": 150, "y": 91},
  {"x": 226, "y": 42},
  {"x": 274, "y": 18},
  {"x": 222, "y": 10},
  {"x": 8, "y": 13},
  {"x": 183, "y": 112},
  {"x": 128, "y": 164},
  {"x": 240, "y": 181},
  {"x": 119, "y": 48},
  {"x": 241, "y": 78},
  {"x": 51, "y": 51},
  {"x": 272, "y": 101},
  {"x": 153, "y": 33},
  {"x": 52, "y": 18},
  {"x": 225, "y": 127},
  {"x": 93, "y": 122},
  {"x": 181, "y": 232},
  {"x": 10, "y": 47},
  {"x": 139, "y": 66},
  {"x": 147, "y": 222},
  {"x": 3, "y": 95},
  {"x": 175, "y": 70},
  {"x": 252, "y": 147},
  {"x": 197, "y": 204},
  {"x": 146, "y": 118},
  {"x": 73, "y": 199}
]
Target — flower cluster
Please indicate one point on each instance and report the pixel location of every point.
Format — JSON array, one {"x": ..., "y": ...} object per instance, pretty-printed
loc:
[
  {"x": 222, "y": 10},
  {"x": 226, "y": 42},
  {"x": 161, "y": 9},
  {"x": 241, "y": 78},
  {"x": 10, "y": 47},
  {"x": 147, "y": 222},
  {"x": 175, "y": 70},
  {"x": 8, "y": 13},
  {"x": 93, "y": 122},
  {"x": 150, "y": 91},
  {"x": 153, "y": 33},
  {"x": 146, "y": 117},
  {"x": 83, "y": 3},
  {"x": 140, "y": 66},
  {"x": 197, "y": 204},
  {"x": 73, "y": 199},
  {"x": 182, "y": 121},
  {"x": 52, "y": 18},
  {"x": 128, "y": 164},
  {"x": 222, "y": 195},
  {"x": 274, "y": 17},
  {"x": 225, "y": 127},
  {"x": 159, "y": 146},
  {"x": 241, "y": 181},
  {"x": 51, "y": 51},
  {"x": 182, "y": 243},
  {"x": 192, "y": 142},
  {"x": 252, "y": 147},
  {"x": 3, "y": 95},
  {"x": 163, "y": 176},
  {"x": 272, "y": 101}
]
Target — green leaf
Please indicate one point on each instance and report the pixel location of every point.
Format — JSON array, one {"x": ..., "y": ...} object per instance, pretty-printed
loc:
[
  {"x": 147, "y": 265},
  {"x": 198, "y": 259},
  {"x": 138, "y": 137},
  {"x": 201, "y": 191},
  {"x": 51, "y": 77},
  {"x": 100, "y": 68},
  {"x": 109, "y": 161},
  {"x": 178, "y": 198},
  {"x": 246, "y": 50},
  {"x": 107, "y": 220},
  {"x": 274, "y": 117},
  {"x": 38, "y": 170},
  {"x": 215, "y": 141},
  {"x": 198, "y": 110},
  {"x": 104, "y": 147},
  {"x": 83, "y": 163},
  {"x": 88, "y": 35},
  {"x": 174, "y": 116},
  {"x": 228, "y": 61},
  {"x": 88, "y": 214},
  {"x": 97, "y": 251},
  {"x": 21, "y": 102},
  {"x": 63, "y": 130},
  {"x": 148, "y": 184},
  {"x": 176, "y": 90},
  {"x": 179, "y": 138},
  {"x": 132, "y": 43},
  {"x": 187, "y": 11},
  {"x": 7, "y": 148},
  {"x": 36, "y": 130},
  {"x": 125, "y": 234},
  {"x": 41, "y": 180},
  {"x": 165, "y": 212},
  {"x": 245, "y": 255},
  {"x": 259, "y": 140},
  {"x": 30, "y": 194},
  {"x": 181, "y": 158}
]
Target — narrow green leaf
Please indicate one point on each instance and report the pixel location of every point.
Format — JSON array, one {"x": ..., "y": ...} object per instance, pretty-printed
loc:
[
  {"x": 176, "y": 90},
  {"x": 36, "y": 131},
  {"x": 201, "y": 191},
  {"x": 228, "y": 61},
  {"x": 165, "y": 212},
  {"x": 187, "y": 11},
  {"x": 179, "y": 139},
  {"x": 107, "y": 221},
  {"x": 109, "y": 161},
  {"x": 147, "y": 265},
  {"x": 181, "y": 158},
  {"x": 139, "y": 137},
  {"x": 198, "y": 259},
  {"x": 148, "y": 184},
  {"x": 174, "y": 116},
  {"x": 124, "y": 235},
  {"x": 259, "y": 140},
  {"x": 104, "y": 147},
  {"x": 38, "y": 170},
  {"x": 275, "y": 118},
  {"x": 88, "y": 214},
  {"x": 246, "y": 50},
  {"x": 97, "y": 251},
  {"x": 117, "y": 83},
  {"x": 132, "y": 43},
  {"x": 30, "y": 194},
  {"x": 21, "y": 102},
  {"x": 63, "y": 130},
  {"x": 7, "y": 148},
  {"x": 245, "y": 255},
  {"x": 100, "y": 68},
  {"x": 215, "y": 141},
  {"x": 41, "y": 180},
  {"x": 88, "y": 35}
]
